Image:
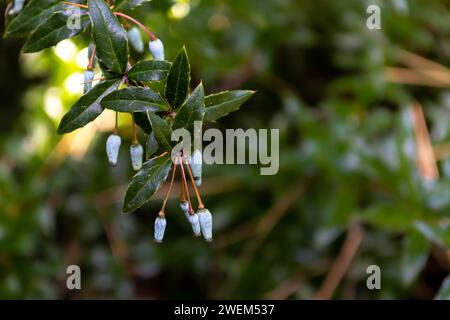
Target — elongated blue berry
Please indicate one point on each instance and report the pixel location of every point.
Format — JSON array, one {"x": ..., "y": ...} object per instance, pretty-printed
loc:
[
  {"x": 160, "y": 228},
  {"x": 196, "y": 166},
  {"x": 136, "y": 153},
  {"x": 112, "y": 148},
  {"x": 88, "y": 77},
  {"x": 156, "y": 49},
  {"x": 195, "y": 223},
  {"x": 206, "y": 223},
  {"x": 18, "y": 6},
  {"x": 135, "y": 39},
  {"x": 184, "y": 205}
]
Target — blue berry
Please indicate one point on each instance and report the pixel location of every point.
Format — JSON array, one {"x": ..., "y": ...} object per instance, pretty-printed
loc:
[
  {"x": 160, "y": 228},
  {"x": 135, "y": 39},
  {"x": 88, "y": 77},
  {"x": 184, "y": 205},
  {"x": 196, "y": 166},
  {"x": 195, "y": 223},
  {"x": 136, "y": 153},
  {"x": 18, "y": 6},
  {"x": 206, "y": 223},
  {"x": 112, "y": 148},
  {"x": 156, "y": 49}
]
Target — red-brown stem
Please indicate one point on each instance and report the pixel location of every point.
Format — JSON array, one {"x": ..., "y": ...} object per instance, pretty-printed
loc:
[
  {"x": 91, "y": 60},
  {"x": 120, "y": 14},
  {"x": 183, "y": 176},
  {"x": 133, "y": 130},
  {"x": 199, "y": 199},
  {"x": 150, "y": 34},
  {"x": 116, "y": 125},
  {"x": 174, "y": 169},
  {"x": 183, "y": 196}
]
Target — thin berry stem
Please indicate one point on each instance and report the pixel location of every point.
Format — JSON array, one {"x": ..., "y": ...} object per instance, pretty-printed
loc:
[
  {"x": 150, "y": 34},
  {"x": 183, "y": 176},
  {"x": 116, "y": 124},
  {"x": 133, "y": 131},
  {"x": 183, "y": 195},
  {"x": 174, "y": 169},
  {"x": 91, "y": 60},
  {"x": 199, "y": 199}
]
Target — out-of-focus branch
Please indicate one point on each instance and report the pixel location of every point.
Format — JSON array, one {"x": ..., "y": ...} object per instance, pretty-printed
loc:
[
  {"x": 426, "y": 161},
  {"x": 270, "y": 219},
  {"x": 286, "y": 288},
  {"x": 416, "y": 61},
  {"x": 342, "y": 262},
  {"x": 419, "y": 77}
]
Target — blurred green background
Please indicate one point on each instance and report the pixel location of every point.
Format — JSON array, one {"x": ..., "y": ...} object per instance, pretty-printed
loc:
[{"x": 348, "y": 193}]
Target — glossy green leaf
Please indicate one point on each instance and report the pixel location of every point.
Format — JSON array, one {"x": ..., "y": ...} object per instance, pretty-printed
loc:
[
  {"x": 109, "y": 36},
  {"x": 134, "y": 99},
  {"x": 444, "y": 290},
  {"x": 221, "y": 104},
  {"x": 87, "y": 108},
  {"x": 191, "y": 110},
  {"x": 34, "y": 13},
  {"x": 178, "y": 79},
  {"x": 151, "y": 145},
  {"x": 141, "y": 120},
  {"x": 414, "y": 256},
  {"x": 150, "y": 70},
  {"x": 161, "y": 130},
  {"x": 52, "y": 31},
  {"x": 146, "y": 182}
]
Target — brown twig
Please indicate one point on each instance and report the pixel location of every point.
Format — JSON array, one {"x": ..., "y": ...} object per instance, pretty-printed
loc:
[{"x": 342, "y": 262}]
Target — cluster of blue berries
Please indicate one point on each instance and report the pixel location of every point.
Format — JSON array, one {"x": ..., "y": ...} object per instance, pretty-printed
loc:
[{"x": 201, "y": 221}]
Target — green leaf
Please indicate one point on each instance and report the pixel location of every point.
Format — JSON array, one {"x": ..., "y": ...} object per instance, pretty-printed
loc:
[
  {"x": 146, "y": 182},
  {"x": 414, "y": 256},
  {"x": 221, "y": 104},
  {"x": 109, "y": 36},
  {"x": 150, "y": 70},
  {"x": 52, "y": 31},
  {"x": 161, "y": 130},
  {"x": 151, "y": 145},
  {"x": 34, "y": 13},
  {"x": 87, "y": 108},
  {"x": 129, "y": 4},
  {"x": 134, "y": 99},
  {"x": 191, "y": 110},
  {"x": 178, "y": 79},
  {"x": 141, "y": 120},
  {"x": 444, "y": 290}
]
